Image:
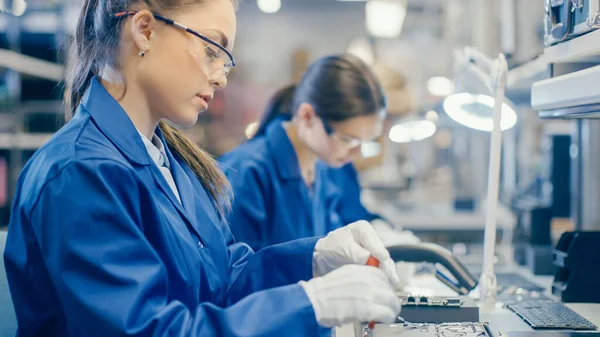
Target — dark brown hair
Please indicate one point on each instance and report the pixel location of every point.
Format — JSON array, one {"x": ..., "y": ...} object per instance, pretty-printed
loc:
[
  {"x": 338, "y": 87},
  {"x": 96, "y": 45}
]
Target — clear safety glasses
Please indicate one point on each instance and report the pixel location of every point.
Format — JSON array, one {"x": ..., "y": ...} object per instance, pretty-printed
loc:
[
  {"x": 207, "y": 52},
  {"x": 347, "y": 141}
]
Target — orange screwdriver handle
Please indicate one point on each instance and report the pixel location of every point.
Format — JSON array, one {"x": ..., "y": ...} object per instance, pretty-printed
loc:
[{"x": 375, "y": 263}]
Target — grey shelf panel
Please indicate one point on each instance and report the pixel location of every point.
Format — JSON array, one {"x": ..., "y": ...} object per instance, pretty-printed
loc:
[
  {"x": 23, "y": 141},
  {"x": 29, "y": 107}
]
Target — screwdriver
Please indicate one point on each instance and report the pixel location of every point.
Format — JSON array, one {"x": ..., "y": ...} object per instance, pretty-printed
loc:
[{"x": 375, "y": 263}]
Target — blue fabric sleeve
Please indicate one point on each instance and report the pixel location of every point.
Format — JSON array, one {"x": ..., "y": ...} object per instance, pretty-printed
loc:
[{"x": 273, "y": 266}]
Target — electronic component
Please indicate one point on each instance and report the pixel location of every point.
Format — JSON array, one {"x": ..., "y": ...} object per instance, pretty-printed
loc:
[
  {"x": 432, "y": 301},
  {"x": 433, "y": 330},
  {"x": 437, "y": 309},
  {"x": 550, "y": 314}
]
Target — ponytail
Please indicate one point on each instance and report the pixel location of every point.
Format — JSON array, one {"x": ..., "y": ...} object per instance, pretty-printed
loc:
[
  {"x": 81, "y": 59},
  {"x": 278, "y": 107},
  {"x": 203, "y": 165}
]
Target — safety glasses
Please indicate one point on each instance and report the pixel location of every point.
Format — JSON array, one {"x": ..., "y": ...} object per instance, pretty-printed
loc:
[
  {"x": 206, "y": 51},
  {"x": 343, "y": 139}
]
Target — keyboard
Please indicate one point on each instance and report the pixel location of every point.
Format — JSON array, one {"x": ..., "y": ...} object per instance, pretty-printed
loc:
[
  {"x": 506, "y": 280},
  {"x": 549, "y": 314}
]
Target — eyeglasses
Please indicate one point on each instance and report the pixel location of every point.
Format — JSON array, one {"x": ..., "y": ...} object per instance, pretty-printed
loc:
[
  {"x": 347, "y": 141},
  {"x": 215, "y": 58}
]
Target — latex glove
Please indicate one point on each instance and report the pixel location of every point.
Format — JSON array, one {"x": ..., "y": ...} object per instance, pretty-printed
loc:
[
  {"x": 352, "y": 244},
  {"x": 391, "y": 236},
  {"x": 352, "y": 293}
]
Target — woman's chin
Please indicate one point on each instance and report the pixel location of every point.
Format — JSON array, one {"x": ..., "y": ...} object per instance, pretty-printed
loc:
[{"x": 185, "y": 121}]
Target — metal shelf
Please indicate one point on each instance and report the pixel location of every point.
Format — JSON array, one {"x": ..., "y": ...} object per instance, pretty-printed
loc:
[
  {"x": 30, "y": 107},
  {"x": 23, "y": 141},
  {"x": 585, "y": 48},
  {"x": 574, "y": 95},
  {"x": 30, "y": 65}
]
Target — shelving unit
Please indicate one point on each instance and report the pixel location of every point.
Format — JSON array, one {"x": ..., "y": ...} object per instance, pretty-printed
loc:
[
  {"x": 575, "y": 89},
  {"x": 23, "y": 141},
  {"x": 572, "y": 92},
  {"x": 30, "y": 74},
  {"x": 582, "y": 49}
]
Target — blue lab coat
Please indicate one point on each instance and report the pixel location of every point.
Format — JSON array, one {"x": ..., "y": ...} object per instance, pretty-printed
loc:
[
  {"x": 271, "y": 195},
  {"x": 98, "y": 245},
  {"x": 349, "y": 208}
]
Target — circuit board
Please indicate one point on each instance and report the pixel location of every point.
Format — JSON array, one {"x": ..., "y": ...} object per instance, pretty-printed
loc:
[{"x": 432, "y": 330}]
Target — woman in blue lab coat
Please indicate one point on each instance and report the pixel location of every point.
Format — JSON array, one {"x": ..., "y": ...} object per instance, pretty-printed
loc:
[
  {"x": 336, "y": 106},
  {"x": 117, "y": 226}
]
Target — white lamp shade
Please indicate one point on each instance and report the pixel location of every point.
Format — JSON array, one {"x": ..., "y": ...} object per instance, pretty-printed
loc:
[{"x": 476, "y": 112}]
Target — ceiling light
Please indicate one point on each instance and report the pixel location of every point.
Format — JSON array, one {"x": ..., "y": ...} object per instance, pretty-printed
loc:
[
  {"x": 412, "y": 131},
  {"x": 432, "y": 116},
  {"x": 475, "y": 112},
  {"x": 19, "y": 7},
  {"x": 440, "y": 86},
  {"x": 384, "y": 18},
  {"x": 269, "y": 6}
]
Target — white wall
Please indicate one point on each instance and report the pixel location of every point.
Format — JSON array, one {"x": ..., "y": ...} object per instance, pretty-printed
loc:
[{"x": 265, "y": 42}]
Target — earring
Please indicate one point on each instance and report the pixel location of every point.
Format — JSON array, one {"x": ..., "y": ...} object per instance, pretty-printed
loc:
[{"x": 142, "y": 53}]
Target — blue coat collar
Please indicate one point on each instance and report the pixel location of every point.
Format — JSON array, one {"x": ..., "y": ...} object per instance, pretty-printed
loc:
[
  {"x": 282, "y": 152},
  {"x": 114, "y": 122}
]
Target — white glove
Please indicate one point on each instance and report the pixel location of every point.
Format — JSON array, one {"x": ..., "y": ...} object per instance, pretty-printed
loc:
[
  {"x": 352, "y": 293},
  {"x": 352, "y": 244}
]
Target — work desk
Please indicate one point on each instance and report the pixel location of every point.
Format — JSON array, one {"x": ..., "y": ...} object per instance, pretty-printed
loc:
[
  {"x": 441, "y": 217},
  {"x": 500, "y": 319}
]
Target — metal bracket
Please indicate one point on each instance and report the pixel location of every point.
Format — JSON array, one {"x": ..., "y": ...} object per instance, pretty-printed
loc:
[
  {"x": 559, "y": 28},
  {"x": 594, "y": 20}
]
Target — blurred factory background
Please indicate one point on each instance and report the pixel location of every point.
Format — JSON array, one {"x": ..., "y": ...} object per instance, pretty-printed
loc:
[{"x": 430, "y": 169}]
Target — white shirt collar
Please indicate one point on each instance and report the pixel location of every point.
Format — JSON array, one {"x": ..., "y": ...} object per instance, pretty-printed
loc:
[{"x": 156, "y": 150}]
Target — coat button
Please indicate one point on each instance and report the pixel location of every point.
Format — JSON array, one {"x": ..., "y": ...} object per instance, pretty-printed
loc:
[{"x": 200, "y": 244}]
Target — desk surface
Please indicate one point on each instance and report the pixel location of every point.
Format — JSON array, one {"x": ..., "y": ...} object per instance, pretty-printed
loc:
[
  {"x": 500, "y": 319},
  {"x": 441, "y": 218}
]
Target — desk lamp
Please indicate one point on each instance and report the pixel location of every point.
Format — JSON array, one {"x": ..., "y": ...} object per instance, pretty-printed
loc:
[{"x": 490, "y": 74}]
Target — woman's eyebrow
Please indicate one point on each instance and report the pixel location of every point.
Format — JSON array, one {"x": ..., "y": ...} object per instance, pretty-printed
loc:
[{"x": 218, "y": 36}]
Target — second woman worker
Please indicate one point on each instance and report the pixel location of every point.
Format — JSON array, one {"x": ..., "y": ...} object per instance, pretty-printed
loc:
[{"x": 280, "y": 193}]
